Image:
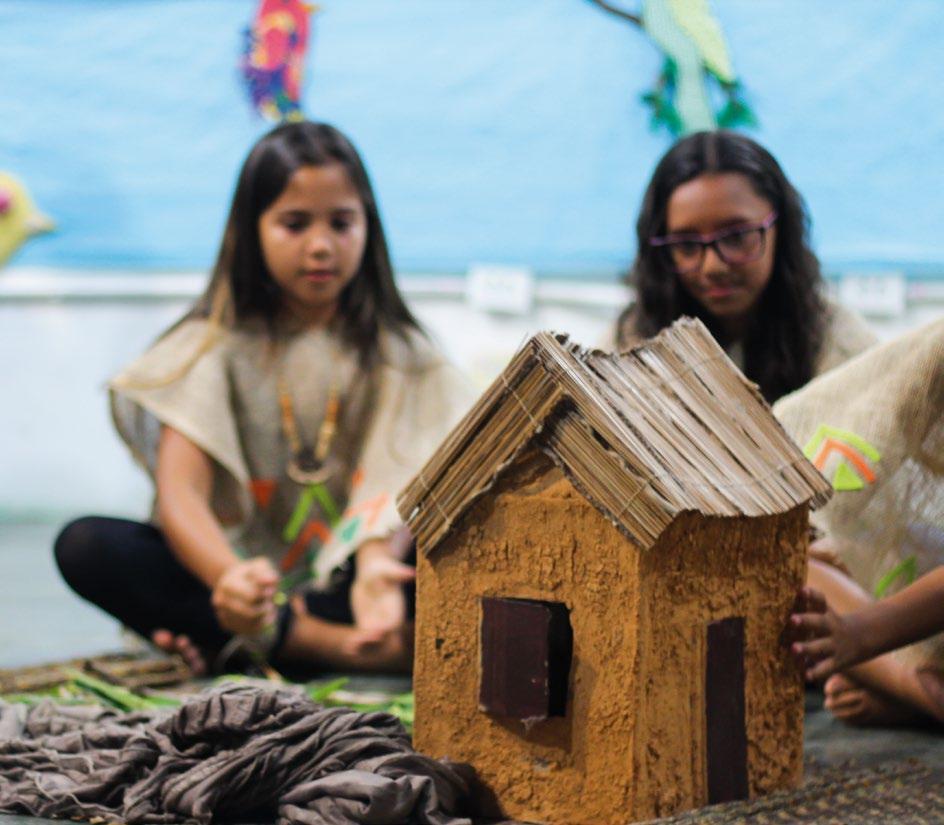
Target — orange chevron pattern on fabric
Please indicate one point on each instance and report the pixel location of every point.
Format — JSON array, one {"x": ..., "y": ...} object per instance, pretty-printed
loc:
[
  {"x": 830, "y": 445},
  {"x": 845, "y": 458}
]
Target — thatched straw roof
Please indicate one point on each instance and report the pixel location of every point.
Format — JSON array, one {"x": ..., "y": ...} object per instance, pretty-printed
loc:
[{"x": 667, "y": 427}]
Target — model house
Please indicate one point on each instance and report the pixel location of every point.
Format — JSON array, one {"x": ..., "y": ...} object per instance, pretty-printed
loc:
[{"x": 608, "y": 550}]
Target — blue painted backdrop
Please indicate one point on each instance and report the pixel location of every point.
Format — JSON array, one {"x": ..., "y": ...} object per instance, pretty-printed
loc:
[{"x": 495, "y": 130}]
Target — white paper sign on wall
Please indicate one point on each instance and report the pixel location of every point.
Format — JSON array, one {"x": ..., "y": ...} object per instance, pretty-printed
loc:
[
  {"x": 497, "y": 288},
  {"x": 876, "y": 294}
]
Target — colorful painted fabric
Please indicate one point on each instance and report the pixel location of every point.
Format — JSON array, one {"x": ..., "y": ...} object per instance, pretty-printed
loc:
[
  {"x": 226, "y": 402},
  {"x": 875, "y": 428},
  {"x": 274, "y": 57}
]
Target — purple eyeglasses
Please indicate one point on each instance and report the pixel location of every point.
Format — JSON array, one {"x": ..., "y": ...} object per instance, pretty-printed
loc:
[{"x": 735, "y": 245}]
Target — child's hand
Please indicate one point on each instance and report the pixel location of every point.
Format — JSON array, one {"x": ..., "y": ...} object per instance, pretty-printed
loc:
[
  {"x": 830, "y": 642},
  {"x": 243, "y": 596},
  {"x": 377, "y": 599}
]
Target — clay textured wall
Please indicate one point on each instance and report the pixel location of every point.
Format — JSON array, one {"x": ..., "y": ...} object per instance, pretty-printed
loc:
[
  {"x": 534, "y": 537},
  {"x": 637, "y": 677},
  {"x": 704, "y": 570}
]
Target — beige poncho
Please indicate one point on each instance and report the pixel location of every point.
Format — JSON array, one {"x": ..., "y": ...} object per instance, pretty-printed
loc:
[
  {"x": 226, "y": 401},
  {"x": 875, "y": 428}
]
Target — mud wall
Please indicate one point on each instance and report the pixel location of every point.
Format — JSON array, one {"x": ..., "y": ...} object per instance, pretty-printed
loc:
[
  {"x": 638, "y": 749},
  {"x": 703, "y": 570},
  {"x": 534, "y": 538}
]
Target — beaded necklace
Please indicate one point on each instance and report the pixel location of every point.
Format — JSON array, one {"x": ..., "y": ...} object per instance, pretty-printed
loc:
[{"x": 309, "y": 463}]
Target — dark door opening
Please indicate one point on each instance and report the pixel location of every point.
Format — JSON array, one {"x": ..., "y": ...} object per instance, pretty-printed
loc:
[{"x": 726, "y": 735}]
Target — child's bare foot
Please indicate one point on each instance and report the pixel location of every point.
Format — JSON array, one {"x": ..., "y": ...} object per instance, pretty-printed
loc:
[
  {"x": 182, "y": 646},
  {"x": 855, "y": 704}
]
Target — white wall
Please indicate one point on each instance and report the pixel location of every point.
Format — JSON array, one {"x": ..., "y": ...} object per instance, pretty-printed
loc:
[{"x": 59, "y": 455}]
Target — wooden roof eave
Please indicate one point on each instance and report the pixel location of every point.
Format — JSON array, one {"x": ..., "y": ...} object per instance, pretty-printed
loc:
[{"x": 515, "y": 409}]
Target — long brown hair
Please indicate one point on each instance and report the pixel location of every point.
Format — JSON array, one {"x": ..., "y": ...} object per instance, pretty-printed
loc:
[
  {"x": 241, "y": 287},
  {"x": 786, "y": 333}
]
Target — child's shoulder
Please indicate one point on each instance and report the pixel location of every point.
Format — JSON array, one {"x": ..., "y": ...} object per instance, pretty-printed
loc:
[
  {"x": 847, "y": 334},
  {"x": 174, "y": 353}
]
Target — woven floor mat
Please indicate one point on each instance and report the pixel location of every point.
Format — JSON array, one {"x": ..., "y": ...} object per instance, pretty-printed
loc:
[{"x": 905, "y": 793}]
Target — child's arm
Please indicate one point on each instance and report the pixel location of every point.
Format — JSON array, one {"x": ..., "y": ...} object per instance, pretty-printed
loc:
[
  {"x": 242, "y": 590},
  {"x": 840, "y": 641}
]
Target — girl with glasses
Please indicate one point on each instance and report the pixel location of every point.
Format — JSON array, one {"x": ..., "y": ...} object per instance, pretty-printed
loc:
[{"x": 723, "y": 235}]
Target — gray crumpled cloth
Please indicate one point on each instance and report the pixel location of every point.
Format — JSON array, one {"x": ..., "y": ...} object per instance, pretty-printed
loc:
[{"x": 236, "y": 753}]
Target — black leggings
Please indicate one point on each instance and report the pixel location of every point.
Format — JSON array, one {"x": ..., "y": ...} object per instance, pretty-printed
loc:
[{"x": 127, "y": 569}]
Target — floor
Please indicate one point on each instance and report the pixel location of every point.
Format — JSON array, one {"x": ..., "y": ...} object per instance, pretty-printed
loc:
[
  {"x": 41, "y": 621},
  {"x": 829, "y": 742}
]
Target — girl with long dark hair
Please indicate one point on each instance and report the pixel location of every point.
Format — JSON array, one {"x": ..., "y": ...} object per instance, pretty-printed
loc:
[
  {"x": 724, "y": 236},
  {"x": 278, "y": 420}
]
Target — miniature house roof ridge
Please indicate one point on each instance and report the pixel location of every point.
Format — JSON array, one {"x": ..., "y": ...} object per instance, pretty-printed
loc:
[
  {"x": 657, "y": 447},
  {"x": 666, "y": 427},
  {"x": 590, "y": 398},
  {"x": 687, "y": 488}
]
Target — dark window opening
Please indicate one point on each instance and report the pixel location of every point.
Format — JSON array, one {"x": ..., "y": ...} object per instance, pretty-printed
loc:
[{"x": 527, "y": 647}]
